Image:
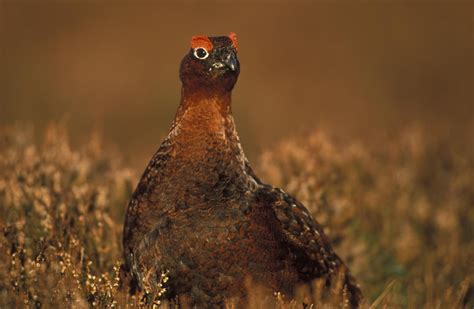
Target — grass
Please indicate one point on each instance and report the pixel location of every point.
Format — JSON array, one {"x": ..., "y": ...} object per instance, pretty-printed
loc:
[{"x": 400, "y": 213}]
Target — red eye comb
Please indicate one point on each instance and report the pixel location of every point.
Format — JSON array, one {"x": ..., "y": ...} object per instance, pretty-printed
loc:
[
  {"x": 201, "y": 41},
  {"x": 233, "y": 37}
]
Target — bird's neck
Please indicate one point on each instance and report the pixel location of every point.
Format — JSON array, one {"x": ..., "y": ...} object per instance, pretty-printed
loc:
[
  {"x": 204, "y": 128},
  {"x": 206, "y": 151},
  {"x": 203, "y": 109}
]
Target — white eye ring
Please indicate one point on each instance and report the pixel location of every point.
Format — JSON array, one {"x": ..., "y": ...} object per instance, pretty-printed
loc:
[{"x": 201, "y": 49}]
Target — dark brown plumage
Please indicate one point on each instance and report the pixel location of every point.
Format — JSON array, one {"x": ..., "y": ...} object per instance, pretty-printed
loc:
[{"x": 200, "y": 213}]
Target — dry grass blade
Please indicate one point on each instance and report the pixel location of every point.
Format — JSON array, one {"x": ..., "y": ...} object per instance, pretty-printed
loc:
[{"x": 379, "y": 299}]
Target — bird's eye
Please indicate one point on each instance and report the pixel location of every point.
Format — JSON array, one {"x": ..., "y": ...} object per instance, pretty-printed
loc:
[{"x": 201, "y": 53}]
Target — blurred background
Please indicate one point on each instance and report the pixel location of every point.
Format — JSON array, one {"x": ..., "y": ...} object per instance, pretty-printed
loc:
[{"x": 356, "y": 70}]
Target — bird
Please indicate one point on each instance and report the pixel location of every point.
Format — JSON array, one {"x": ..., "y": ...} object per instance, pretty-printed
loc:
[{"x": 200, "y": 214}]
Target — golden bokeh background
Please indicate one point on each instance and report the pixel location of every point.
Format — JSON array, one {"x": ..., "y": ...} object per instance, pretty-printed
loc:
[{"x": 354, "y": 69}]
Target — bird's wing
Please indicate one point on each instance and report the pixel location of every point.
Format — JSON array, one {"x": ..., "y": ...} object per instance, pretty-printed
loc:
[
  {"x": 308, "y": 245},
  {"x": 143, "y": 264},
  {"x": 143, "y": 221},
  {"x": 314, "y": 255},
  {"x": 142, "y": 211}
]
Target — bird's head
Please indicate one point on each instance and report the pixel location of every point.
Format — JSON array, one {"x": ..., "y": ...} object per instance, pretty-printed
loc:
[{"x": 211, "y": 63}]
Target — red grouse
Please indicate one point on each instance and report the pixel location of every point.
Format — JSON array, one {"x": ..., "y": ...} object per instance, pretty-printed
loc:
[{"x": 200, "y": 213}]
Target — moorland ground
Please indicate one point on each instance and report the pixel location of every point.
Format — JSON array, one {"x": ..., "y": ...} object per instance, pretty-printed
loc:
[{"x": 400, "y": 212}]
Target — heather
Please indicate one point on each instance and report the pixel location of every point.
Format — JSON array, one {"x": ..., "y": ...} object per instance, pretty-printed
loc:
[{"x": 399, "y": 211}]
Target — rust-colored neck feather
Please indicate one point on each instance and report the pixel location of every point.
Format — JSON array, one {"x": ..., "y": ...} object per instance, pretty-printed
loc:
[
  {"x": 191, "y": 97},
  {"x": 204, "y": 125},
  {"x": 205, "y": 142}
]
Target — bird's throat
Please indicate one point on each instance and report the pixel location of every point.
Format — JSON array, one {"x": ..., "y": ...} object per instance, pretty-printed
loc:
[
  {"x": 204, "y": 126},
  {"x": 205, "y": 143}
]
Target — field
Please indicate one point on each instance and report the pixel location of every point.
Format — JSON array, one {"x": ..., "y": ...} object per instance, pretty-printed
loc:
[{"x": 400, "y": 212}]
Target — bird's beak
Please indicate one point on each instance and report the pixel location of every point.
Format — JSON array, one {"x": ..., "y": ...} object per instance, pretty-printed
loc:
[{"x": 231, "y": 61}]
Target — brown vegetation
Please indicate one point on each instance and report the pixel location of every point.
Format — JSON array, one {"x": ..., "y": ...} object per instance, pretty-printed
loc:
[{"x": 399, "y": 212}]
